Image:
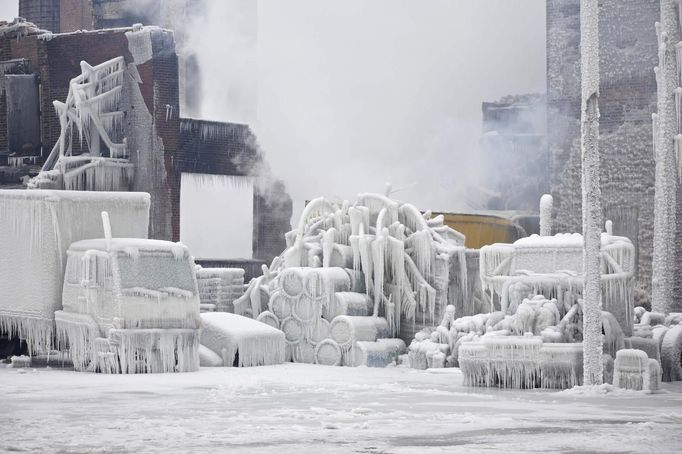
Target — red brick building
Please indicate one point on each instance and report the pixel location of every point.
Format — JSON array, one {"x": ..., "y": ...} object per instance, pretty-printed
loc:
[{"x": 41, "y": 65}]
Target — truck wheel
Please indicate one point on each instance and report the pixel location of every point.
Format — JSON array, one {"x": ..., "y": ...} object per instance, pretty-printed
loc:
[{"x": 10, "y": 347}]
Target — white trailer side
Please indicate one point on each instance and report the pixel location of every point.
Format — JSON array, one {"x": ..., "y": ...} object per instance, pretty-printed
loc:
[{"x": 36, "y": 229}]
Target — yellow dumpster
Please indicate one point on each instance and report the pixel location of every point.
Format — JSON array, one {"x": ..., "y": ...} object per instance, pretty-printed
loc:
[{"x": 483, "y": 229}]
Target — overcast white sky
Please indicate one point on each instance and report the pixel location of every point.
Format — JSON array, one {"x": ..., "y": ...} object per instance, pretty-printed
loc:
[{"x": 354, "y": 93}]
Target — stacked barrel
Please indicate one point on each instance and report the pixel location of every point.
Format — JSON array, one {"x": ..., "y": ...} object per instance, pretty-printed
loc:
[{"x": 326, "y": 319}]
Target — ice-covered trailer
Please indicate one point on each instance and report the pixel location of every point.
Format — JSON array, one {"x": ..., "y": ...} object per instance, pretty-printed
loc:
[{"x": 36, "y": 229}]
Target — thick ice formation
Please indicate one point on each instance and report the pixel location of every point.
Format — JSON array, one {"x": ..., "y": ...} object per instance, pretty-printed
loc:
[
  {"x": 630, "y": 368},
  {"x": 591, "y": 192},
  {"x": 91, "y": 114},
  {"x": 241, "y": 341},
  {"x": 546, "y": 203},
  {"x": 539, "y": 344},
  {"x": 668, "y": 155},
  {"x": 552, "y": 266},
  {"x": 130, "y": 306},
  {"x": 372, "y": 270},
  {"x": 36, "y": 229}
]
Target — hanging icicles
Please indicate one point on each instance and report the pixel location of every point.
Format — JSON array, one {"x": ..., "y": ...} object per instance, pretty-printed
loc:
[
  {"x": 654, "y": 127},
  {"x": 92, "y": 110}
]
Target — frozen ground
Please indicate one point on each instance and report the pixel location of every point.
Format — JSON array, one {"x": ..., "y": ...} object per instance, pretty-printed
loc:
[{"x": 316, "y": 409}]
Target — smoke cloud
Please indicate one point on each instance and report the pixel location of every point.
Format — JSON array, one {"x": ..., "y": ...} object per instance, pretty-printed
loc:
[
  {"x": 353, "y": 93},
  {"x": 347, "y": 95}
]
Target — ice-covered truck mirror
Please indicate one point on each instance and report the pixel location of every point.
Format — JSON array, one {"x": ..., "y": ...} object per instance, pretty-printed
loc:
[
  {"x": 139, "y": 312},
  {"x": 36, "y": 229}
]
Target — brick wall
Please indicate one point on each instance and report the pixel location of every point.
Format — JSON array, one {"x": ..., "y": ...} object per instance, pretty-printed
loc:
[
  {"x": 43, "y": 13},
  {"x": 166, "y": 104},
  {"x": 628, "y": 54},
  {"x": 164, "y": 148},
  {"x": 75, "y": 15}
]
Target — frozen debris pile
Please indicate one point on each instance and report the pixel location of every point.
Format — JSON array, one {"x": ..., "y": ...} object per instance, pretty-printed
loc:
[
  {"x": 538, "y": 345},
  {"x": 92, "y": 115},
  {"x": 660, "y": 336},
  {"x": 219, "y": 288},
  {"x": 667, "y": 133},
  {"x": 36, "y": 229},
  {"x": 19, "y": 28},
  {"x": 240, "y": 341},
  {"x": 359, "y": 273},
  {"x": 130, "y": 306},
  {"x": 19, "y": 362},
  {"x": 553, "y": 266}
]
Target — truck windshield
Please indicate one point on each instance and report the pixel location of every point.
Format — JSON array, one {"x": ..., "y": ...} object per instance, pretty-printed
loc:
[{"x": 154, "y": 272}]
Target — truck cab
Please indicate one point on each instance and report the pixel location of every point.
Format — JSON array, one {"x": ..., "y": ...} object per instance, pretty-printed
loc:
[{"x": 129, "y": 306}]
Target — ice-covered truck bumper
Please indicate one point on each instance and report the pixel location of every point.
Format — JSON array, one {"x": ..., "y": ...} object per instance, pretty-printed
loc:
[{"x": 126, "y": 351}]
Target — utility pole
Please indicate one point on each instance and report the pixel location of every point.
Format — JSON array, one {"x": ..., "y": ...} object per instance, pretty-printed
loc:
[
  {"x": 667, "y": 147},
  {"x": 592, "y": 215}
]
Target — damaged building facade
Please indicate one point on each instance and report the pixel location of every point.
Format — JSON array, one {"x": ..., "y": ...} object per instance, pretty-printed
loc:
[
  {"x": 514, "y": 152},
  {"x": 628, "y": 54},
  {"x": 138, "y": 69}
]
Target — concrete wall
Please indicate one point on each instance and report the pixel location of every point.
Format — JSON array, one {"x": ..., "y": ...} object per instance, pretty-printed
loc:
[{"x": 207, "y": 147}]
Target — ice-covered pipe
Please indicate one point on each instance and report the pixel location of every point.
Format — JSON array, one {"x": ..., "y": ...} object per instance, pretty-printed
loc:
[{"x": 546, "y": 202}]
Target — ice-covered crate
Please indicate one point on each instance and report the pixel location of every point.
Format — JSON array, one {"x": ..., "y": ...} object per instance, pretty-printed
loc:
[
  {"x": 36, "y": 228},
  {"x": 241, "y": 341},
  {"x": 649, "y": 345},
  {"x": 378, "y": 354},
  {"x": 220, "y": 287},
  {"x": 630, "y": 368}
]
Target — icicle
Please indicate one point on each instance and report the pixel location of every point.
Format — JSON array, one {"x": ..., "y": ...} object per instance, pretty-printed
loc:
[
  {"x": 328, "y": 246},
  {"x": 378, "y": 260},
  {"x": 678, "y": 155},
  {"x": 678, "y": 107},
  {"x": 678, "y": 56},
  {"x": 654, "y": 123}
]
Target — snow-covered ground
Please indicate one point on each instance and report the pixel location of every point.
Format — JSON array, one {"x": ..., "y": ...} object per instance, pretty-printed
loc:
[{"x": 316, "y": 409}]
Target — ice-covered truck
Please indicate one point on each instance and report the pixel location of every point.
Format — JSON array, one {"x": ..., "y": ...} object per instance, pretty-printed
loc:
[
  {"x": 130, "y": 306},
  {"x": 130, "y": 303},
  {"x": 36, "y": 229}
]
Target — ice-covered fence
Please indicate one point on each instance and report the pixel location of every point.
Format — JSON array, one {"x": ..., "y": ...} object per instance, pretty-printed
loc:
[{"x": 36, "y": 229}]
